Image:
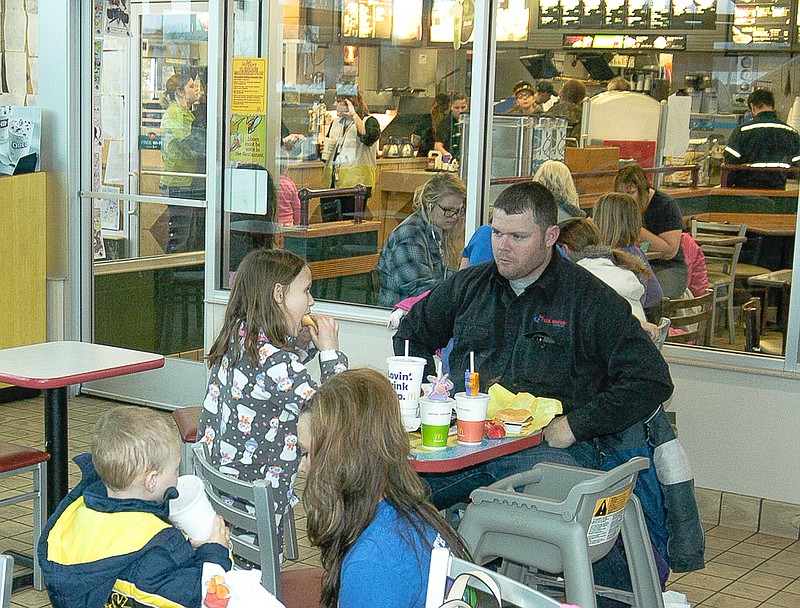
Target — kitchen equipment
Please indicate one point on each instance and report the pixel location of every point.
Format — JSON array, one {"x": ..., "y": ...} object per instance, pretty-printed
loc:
[
  {"x": 392, "y": 149},
  {"x": 406, "y": 149}
]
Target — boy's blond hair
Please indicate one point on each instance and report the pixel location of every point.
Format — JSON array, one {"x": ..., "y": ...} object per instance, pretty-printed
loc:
[{"x": 128, "y": 441}]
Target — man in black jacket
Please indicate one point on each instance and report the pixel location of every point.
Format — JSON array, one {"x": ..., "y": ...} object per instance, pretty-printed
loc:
[
  {"x": 539, "y": 323},
  {"x": 764, "y": 141}
]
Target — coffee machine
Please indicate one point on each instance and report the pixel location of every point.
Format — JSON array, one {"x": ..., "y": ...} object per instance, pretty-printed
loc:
[{"x": 700, "y": 88}]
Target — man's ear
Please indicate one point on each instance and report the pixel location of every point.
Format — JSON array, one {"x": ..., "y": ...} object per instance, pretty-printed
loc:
[
  {"x": 551, "y": 235},
  {"x": 278, "y": 293}
]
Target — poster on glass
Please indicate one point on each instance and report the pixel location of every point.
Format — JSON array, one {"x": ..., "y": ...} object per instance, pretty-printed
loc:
[{"x": 20, "y": 138}]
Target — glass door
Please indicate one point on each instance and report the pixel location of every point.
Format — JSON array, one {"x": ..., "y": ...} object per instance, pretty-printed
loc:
[{"x": 145, "y": 181}]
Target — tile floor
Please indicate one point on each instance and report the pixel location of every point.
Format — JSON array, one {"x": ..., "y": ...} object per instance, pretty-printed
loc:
[{"x": 744, "y": 569}]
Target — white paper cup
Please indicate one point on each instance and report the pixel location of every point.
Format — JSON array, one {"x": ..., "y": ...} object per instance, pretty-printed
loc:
[
  {"x": 435, "y": 421},
  {"x": 405, "y": 374},
  {"x": 411, "y": 419},
  {"x": 471, "y": 416},
  {"x": 192, "y": 512}
]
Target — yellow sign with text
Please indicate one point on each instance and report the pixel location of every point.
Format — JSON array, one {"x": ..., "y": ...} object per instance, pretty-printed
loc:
[{"x": 249, "y": 85}]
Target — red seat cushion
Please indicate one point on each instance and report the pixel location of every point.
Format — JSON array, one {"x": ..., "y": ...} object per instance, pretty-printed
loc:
[
  {"x": 13, "y": 457},
  {"x": 187, "y": 419},
  {"x": 301, "y": 588}
]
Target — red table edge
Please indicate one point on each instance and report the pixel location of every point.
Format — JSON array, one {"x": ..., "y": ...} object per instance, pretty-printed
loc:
[
  {"x": 446, "y": 465},
  {"x": 62, "y": 381}
]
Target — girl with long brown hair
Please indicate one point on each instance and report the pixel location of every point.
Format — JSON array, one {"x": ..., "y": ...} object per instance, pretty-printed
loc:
[
  {"x": 619, "y": 219},
  {"x": 367, "y": 509},
  {"x": 258, "y": 380}
]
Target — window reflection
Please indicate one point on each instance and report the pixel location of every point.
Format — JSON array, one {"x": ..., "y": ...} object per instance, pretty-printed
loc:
[{"x": 412, "y": 80}]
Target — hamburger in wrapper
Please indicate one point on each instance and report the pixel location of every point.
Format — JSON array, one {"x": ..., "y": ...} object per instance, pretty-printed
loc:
[{"x": 521, "y": 413}]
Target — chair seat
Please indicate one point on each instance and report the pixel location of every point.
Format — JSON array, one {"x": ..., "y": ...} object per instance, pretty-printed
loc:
[
  {"x": 187, "y": 419},
  {"x": 742, "y": 270},
  {"x": 749, "y": 270},
  {"x": 771, "y": 345},
  {"x": 302, "y": 588},
  {"x": 13, "y": 457},
  {"x": 716, "y": 279}
]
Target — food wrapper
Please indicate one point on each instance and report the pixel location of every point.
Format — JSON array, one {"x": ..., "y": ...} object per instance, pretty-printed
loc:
[
  {"x": 235, "y": 589},
  {"x": 542, "y": 409}
]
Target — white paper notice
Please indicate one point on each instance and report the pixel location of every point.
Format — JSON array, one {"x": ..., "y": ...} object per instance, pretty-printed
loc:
[
  {"x": 115, "y": 164},
  {"x": 17, "y": 72},
  {"x": 32, "y": 6},
  {"x": 14, "y": 30},
  {"x": 114, "y": 72},
  {"x": 676, "y": 140},
  {"x": 109, "y": 209},
  {"x": 112, "y": 111},
  {"x": 33, "y": 35}
]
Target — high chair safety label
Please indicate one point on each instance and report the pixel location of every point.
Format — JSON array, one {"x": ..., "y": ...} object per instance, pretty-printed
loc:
[{"x": 607, "y": 519}]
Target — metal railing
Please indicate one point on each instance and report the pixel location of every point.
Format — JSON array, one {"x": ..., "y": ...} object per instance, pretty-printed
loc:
[
  {"x": 359, "y": 191},
  {"x": 726, "y": 169},
  {"x": 695, "y": 169}
]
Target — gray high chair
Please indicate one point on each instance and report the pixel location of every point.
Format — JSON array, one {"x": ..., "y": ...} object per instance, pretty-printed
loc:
[{"x": 562, "y": 519}]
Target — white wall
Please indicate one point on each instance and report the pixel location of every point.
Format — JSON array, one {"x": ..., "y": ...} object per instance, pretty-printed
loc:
[{"x": 741, "y": 430}]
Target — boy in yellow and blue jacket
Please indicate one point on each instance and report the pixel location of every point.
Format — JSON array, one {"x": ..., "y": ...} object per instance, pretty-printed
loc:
[{"x": 110, "y": 542}]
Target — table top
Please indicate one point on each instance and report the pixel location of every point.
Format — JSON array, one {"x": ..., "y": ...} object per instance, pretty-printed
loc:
[
  {"x": 457, "y": 456},
  {"x": 777, "y": 278},
  {"x": 767, "y": 224},
  {"x": 59, "y": 364}
]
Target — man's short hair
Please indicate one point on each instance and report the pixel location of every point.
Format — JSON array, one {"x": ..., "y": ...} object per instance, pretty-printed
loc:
[
  {"x": 761, "y": 98},
  {"x": 546, "y": 86},
  {"x": 533, "y": 196},
  {"x": 128, "y": 441}
]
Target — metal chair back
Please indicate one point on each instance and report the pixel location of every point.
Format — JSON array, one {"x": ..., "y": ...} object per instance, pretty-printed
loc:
[{"x": 264, "y": 550}]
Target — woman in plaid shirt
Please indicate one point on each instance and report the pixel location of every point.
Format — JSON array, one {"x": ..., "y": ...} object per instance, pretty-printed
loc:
[{"x": 423, "y": 250}]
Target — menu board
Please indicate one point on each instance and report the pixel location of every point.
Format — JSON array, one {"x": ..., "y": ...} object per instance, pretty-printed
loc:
[
  {"x": 592, "y": 15},
  {"x": 512, "y": 20},
  {"x": 629, "y": 14},
  {"x": 615, "y": 14},
  {"x": 661, "y": 42},
  {"x": 367, "y": 19},
  {"x": 550, "y": 14},
  {"x": 659, "y": 14},
  {"x": 757, "y": 23}
]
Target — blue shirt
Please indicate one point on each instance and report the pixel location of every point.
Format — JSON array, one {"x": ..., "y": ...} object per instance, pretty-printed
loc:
[
  {"x": 388, "y": 565},
  {"x": 479, "y": 248}
]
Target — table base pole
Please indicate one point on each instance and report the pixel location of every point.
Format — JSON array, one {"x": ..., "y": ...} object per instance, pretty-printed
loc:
[{"x": 57, "y": 445}]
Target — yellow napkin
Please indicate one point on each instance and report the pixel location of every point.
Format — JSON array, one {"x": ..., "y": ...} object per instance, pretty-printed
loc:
[{"x": 542, "y": 409}]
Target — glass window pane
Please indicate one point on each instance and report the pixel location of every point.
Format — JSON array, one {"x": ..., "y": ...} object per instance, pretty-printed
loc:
[
  {"x": 712, "y": 101},
  {"x": 148, "y": 132},
  {"x": 358, "y": 104}
]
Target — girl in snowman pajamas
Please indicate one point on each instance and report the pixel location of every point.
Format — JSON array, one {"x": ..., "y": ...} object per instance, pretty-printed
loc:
[{"x": 258, "y": 378}]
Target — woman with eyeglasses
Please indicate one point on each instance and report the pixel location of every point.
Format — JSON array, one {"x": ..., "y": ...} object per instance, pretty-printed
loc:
[{"x": 423, "y": 250}]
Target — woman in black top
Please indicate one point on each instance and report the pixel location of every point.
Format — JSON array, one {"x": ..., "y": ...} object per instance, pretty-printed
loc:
[{"x": 662, "y": 225}]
